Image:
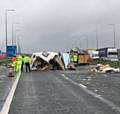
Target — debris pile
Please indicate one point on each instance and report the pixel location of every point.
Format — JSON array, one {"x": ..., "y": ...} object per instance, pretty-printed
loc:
[
  {"x": 47, "y": 61},
  {"x": 104, "y": 68},
  {"x": 71, "y": 66}
]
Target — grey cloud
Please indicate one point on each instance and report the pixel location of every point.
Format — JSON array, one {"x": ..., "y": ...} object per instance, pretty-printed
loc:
[{"x": 59, "y": 24}]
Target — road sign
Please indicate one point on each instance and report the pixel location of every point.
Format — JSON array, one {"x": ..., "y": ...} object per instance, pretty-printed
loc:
[{"x": 11, "y": 50}]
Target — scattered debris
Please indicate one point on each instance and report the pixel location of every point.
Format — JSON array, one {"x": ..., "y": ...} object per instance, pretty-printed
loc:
[
  {"x": 96, "y": 90},
  {"x": 71, "y": 66},
  {"x": 105, "y": 69},
  {"x": 10, "y": 71}
]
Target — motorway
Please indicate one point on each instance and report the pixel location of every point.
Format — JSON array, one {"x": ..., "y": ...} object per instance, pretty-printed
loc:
[
  {"x": 66, "y": 92},
  {"x": 5, "y": 84}
]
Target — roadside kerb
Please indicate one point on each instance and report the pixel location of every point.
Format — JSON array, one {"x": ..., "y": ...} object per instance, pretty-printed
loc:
[{"x": 10, "y": 96}]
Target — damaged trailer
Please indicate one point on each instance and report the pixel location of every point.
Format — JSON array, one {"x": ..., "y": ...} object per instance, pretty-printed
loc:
[{"x": 47, "y": 61}]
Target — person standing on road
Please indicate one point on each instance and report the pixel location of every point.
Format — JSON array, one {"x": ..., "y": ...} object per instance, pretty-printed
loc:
[
  {"x": 22, "y": 64},
  {"x": 75, "y": 57},
  {"x": 14, "y": 60},
  {"x": 19, "y": 63},
  {"x": 27, "y": 63}
]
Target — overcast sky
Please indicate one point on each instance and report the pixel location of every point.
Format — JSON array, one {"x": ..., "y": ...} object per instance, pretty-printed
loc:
[{"x": 60, "y": 24}]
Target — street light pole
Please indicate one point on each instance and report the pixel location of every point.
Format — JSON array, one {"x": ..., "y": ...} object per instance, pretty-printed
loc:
[
  {"x": 86, "y": 42},
  {"x": 114, "y": 34},
  {"x": 13, "y": 31},
  {"x": 86, "y": 39},
  {"x": 6, "y": 11},
  {"x": 96, "y": 38},
  {"x": 80, "y": 45},
  {"x": 6, "y": 29}
]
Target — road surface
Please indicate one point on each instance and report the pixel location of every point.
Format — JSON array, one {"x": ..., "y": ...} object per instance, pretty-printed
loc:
[
  {"x": 5, "y": 84},
  {"x": 66, "y": 92}
]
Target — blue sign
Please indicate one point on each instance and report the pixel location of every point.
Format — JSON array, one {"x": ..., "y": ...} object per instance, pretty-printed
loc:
[{"x": 11, "y": 50}]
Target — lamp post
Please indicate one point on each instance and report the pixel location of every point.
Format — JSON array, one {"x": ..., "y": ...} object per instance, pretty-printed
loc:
[
  {"x": 86, "y": 39},
  {"x": 17, "y": 40},
  {"x": 6, "y": 12},
  {"x": 86, "y": 42},
  {"x": 96, "y": 37},
  {"x": 80, "y": 45},
  {"x": 13, "y": 31},
  {"x": 18, "y": 45},
  {"x": 113, "y": 25}
]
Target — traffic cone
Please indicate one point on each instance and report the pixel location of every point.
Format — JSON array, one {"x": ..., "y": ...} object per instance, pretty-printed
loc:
[{"x": 10, "y": 72}]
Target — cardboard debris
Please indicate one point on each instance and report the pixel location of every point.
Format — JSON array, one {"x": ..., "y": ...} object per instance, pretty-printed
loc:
[
  {"x": 46, "y": 61},
  {"x": 71, "y": 66},
  {"x": 104, "y": 68}
]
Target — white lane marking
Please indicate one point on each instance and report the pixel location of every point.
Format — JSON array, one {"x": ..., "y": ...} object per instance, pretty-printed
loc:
[
  {"x": 83, "y": 86},
  {"x": 109, "y": 103},
  {"x": 78, "y": 84},
  {"x": 63, "y": 75},
  {"x": 9, "y": 98}
]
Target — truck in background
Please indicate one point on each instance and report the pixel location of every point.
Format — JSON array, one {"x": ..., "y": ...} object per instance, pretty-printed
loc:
[
  {"x": 119, "y": 54},
  {"x": 93, "y": 53},
  {"x": 108, "y": 53}
]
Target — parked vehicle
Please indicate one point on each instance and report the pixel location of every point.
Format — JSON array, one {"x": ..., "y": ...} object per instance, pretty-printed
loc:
[
  {"x": 93, "y": 54},
  {"x": 108, "y": 53},
  {"x": 119, "y": 54}
]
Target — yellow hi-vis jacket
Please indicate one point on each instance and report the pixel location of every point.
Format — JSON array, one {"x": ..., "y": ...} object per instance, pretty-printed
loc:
[
  {"x": 26, "y": 59},
  {"x": 75, "y": 57},
  {"x": 18, "y": 63}
]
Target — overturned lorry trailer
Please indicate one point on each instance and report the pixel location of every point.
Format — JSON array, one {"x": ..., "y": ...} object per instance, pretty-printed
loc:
[{"x": 46, "y": 61}]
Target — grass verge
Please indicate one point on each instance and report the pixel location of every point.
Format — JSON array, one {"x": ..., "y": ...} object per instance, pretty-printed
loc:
[{"x": 115, "y": 64}]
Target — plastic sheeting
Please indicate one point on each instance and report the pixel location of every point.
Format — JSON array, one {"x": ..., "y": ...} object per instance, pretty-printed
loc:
[{"x": 66, "y": 59}]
